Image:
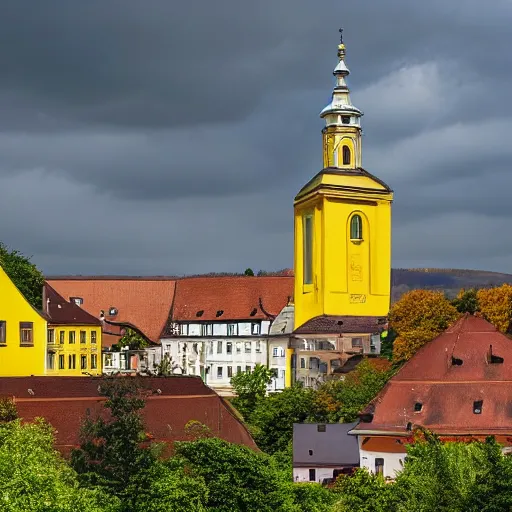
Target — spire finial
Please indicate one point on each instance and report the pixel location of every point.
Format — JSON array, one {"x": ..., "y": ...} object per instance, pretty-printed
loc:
[{"x": 341, "y": 35}]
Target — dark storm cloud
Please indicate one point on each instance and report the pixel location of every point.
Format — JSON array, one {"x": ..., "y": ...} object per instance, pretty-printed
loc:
[{"x": 171, "y": 137}]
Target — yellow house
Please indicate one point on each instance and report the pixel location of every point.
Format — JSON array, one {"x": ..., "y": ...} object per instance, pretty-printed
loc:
[
  {"x": 73, "y": 339},
  {"x": 22, "y": 333},
  {"x": 342, "y": 223}
]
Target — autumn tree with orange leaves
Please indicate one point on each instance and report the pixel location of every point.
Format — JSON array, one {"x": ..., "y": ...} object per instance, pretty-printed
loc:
[
  {"x": 496, "y": 305},
  {"x": 418, "y": 317}
]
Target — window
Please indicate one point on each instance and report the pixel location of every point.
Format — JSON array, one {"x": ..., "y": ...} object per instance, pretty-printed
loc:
[
  {"x": 238, "y": 370},
  {"x": 219, "y": 347},
  {"x": 184, "y": 329},
  {"x": 346, "y": 155},
  {"x": 229, "y": 347},
  {"x": 255, "y": 328},
  {"x": 219, "y": 372},
  {"x": 232, "y": 330},
  {"x": 345, "y": 120},
  {"x": 51, "y": 361},
  {"x": 72, "y": 361},
  {"x": 379, "y": 466},
  {"x": 275, "y": 352},
  {"x": 477, "y": 406},
  {"x": 258, "y": 346},
  {"x": 312, "y": 475},
  {"x": 94, "y": 361},
  {"x": 308, "y": 249},
  {"x": 238, "y": 347},
  {"x": 356, "y": 227},
  {"x": 26, "y": 333},
  {"x": 93, "y": 336},
  {"x": 209, "y": 329},
  {"x": 357, "y": 342},
  {"x": 83, "y": 337},
  {"x": 210, "y": 349},
  {"x": 418, "y": 406},
  {"x": 61, "y": 362},
  {"x": 248, "y": 369},
  {"x": 50, "y": 337},
  {"x": 302, "y": 362},
  {"x": 62, "y": 337},
  {"x": 77, "y": 300},
  {"x": 310, "y": 453},
  {"x": 109, "y": 360},
  {"x": 321, "y": 428},
  {"x": 3, "y": 330},
  {"x": 71, "y": 337},
  {"x": 230, "y": 371},
  {"x": 83, "y": 362},
  {"x": 247, "y": 347}
]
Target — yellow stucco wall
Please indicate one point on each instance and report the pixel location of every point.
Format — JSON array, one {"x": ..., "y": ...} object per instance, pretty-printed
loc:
[
  {"x": 17, "y": 359},
  {"x": 349, "y": 277},
  {"x": 64, "y": 350}
]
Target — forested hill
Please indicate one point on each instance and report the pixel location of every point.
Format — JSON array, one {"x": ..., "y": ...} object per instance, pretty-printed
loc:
[{"x": 444, "y": 279}]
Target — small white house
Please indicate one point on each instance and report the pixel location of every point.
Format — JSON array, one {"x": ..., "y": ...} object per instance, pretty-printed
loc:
[{"x": 323, "y": 451}]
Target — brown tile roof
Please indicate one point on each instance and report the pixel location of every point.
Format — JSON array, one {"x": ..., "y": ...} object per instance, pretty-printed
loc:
[
  {"x": 327, "y": 324},
  {"x": 61, "y": 312},
  {"x": 65, "y": 402},
  {"x": 238, "y": 297},
  {"x": 143, "y": 302},
  {"x": 447, "y": 391}
]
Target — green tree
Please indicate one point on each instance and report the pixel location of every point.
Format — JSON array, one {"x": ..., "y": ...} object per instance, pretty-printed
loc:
[
  {"x": 250, "y": 388},
  {"x": 238, "y": 478},
  {"x": 496, "y": 305},
  {"x": 312, "y": 497},
  {"x": 249, "y": 272},
  {"x": 274, "y": 416},
  {"x": 34, "y": 477},
  {"x": 112, "y": 453},
  {"x": 8, "y": 411},
  {"x": 167, "y": 487},
  {"x": 132, "y": 339},
  {"x": 25, "y": 275},
  {"x": 342, "y": 400},
  {"x": 467, "y": 301}
]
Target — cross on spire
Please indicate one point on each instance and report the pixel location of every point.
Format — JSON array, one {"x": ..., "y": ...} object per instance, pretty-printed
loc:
[{"x": 341, "y": 35}]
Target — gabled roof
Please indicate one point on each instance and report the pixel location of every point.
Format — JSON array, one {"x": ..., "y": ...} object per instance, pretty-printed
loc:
[
  {"x": 283, "y": 323},
  {"x": 61, "y": 312},
  {"x": 143, "y": 302},
  {"x": 330, "y": 324},
  {"x": 470, "y": 362},
  {"x": 207, "y": 299},
  {"x": 332, "y": 447}
]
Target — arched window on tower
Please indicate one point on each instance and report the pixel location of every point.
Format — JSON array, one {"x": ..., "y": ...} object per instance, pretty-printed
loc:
[
  {"x": 346, "y": 155},
  {"x": 356, "y": 227}
]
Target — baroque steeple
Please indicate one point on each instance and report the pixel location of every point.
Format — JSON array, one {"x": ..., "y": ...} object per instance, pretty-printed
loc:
[{"x": 342, "y": 132}]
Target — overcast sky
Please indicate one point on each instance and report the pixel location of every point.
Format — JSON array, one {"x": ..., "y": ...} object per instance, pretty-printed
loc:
[{"x": 165, "y": 137}]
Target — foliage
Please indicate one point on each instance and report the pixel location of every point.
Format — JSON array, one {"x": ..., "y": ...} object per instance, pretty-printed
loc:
[
  {"x": 132, "y": 339},
  {"x": 274, "y": 417},
  {"x": 418, "y": 317},
  {"x": 496, "y": 305},
  {"x": 342, "y": 400},
  {"x": 237, "y": 477},
  {"x": 249, "y": 272},
  {"x": 166, "y": 366},
  {"x": 363, "y": 492},
  {"x": 25, "y": 275},
  {"x": 313, "y": 497},
  {"x": 467, "y": 301},
  {"x": 111, "y": 452},
  {"x": 250, "y": 388},
  {"x": 196, "y": 430},
  {"x": 8, "y": 411},
  {"x": 34, "y": 478},
  {"x": 169, "y": 488}
]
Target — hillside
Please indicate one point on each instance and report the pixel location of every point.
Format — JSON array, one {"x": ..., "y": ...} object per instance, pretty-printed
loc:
[{"x": 448, "y": 280}]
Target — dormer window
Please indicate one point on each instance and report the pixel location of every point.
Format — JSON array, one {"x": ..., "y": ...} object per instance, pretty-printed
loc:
[
  {"x": 200, "y": 313},
  {"x": 346, "y": 155},
  {"x": 77, "y": 300},
  {"x": 477, "y": 406},
  {"x": 253, "y": 312},
  {"x": 219, "y": 313},
  {"x": 112, "y": 312},
  {"x": 418, "y": 406}
]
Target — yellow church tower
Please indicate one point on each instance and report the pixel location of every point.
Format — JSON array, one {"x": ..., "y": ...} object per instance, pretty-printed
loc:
[{"x": 342, "y": 222}]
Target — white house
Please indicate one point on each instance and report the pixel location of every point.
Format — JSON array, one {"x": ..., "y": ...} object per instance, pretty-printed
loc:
[{"x": 278, "y": 348}]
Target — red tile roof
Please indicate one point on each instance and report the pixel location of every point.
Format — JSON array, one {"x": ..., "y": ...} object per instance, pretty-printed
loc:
[
  {"x": 446, "y": 377},
  {"x": 66, "y": 401},
  {"x": 236, "y": 296},
  {"x": 143, "y": 302},
  {"x": 61, "y": 312}
]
